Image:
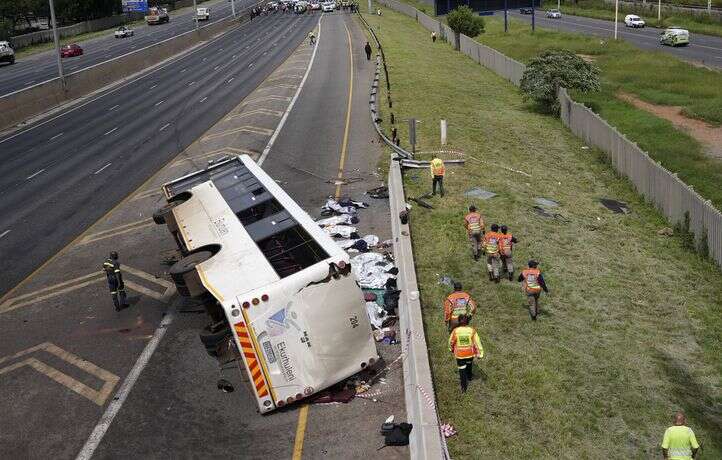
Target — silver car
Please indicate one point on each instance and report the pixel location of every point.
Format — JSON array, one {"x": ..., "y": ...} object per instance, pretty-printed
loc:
[{"x": 554, "y": 14}]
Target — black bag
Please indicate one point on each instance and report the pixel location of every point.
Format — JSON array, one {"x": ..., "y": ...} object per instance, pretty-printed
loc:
[{"x": 398, "y": 435}]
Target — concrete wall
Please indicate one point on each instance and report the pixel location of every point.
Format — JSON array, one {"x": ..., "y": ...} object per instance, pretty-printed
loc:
[{"x": 18, "y": 106}]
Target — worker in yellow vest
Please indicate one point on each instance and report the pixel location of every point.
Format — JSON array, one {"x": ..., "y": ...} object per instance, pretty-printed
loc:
[
  {"x": 506, "y": 246},
  {"x": 533, "y": 283},
  {"x": 437, "y": 176},
  {"x": 493, "y": 252},
  {"x": 474, "y": 224},
  {"x": 679, "y": 442},
  {"x": 464, "y": 343},
  {"x": 456, "y": 304}
]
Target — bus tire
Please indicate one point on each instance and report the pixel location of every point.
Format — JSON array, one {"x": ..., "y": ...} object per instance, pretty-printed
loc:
[
  {"x": 186, "y": 277},
  {"x": 211, "y": 340},
  {"x": 160, "y": 214}
]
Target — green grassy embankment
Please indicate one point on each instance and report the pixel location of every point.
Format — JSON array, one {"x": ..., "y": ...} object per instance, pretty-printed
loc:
[
  {"x": 632, "y": 330},
  {"x": 655, "y": 77}
]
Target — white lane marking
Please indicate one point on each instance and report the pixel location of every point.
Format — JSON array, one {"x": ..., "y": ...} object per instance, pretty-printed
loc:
[
  {"x": 56, "y": 136},
  {"x": 204, "y": 59},
  {"x": 164, "y": 126},
  {"x": 111, "y": 131},
  {"x": 154, "y": 86},
  {"x": 275, "y": 134},
  {"x": 30, "y": 82},
  {"x": 102, "y": 427},
  {"x": 250, "y": 65},
  {"x": 158, "y": 103},
  {"x": 234, "y": 56},
  {"x": 34, "y": 174},
  {"x": 216, "y": 67},
  {"x": 182, "y": 71},
  {"x": 191, "y": 83},
  {"x": 204, "y": 99},
  {"x": 230, "y": 79},
  {"x": 113, "y": 108},
  {"x": 4, "y": 233},
  {"x": 98, "y": 171}
]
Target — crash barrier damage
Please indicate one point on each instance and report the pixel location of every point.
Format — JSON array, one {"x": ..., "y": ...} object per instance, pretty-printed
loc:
[
  {"x": 426, "y": 440},
  {"x": 23, "y": 104},
  {"x": 672, "y": 197}
]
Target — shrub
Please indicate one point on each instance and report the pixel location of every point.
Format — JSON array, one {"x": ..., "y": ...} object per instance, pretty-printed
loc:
[
  {"x": 554, "y": 68},
  {"x": 462, "y": 20}
]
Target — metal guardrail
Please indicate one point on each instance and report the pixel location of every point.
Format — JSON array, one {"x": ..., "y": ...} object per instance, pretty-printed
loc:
[{"x": 426, "y": 441}]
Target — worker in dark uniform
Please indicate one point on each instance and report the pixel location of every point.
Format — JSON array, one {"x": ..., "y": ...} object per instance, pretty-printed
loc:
[
  {"x": 111, "y": 266},
  {"x": 368, "y": 50}
]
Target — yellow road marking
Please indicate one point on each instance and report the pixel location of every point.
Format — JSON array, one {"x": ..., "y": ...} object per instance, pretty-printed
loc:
[
  {"x": 300, "y": 432},
  {"x": 97, "y": 396},
  {"x": 344, "y": 146}
]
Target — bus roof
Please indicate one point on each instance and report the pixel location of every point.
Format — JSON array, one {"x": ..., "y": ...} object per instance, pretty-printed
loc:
[{"x": 263, "y": 234}]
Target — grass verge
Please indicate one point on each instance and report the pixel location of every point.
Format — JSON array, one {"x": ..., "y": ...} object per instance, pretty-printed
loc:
[
  {"x": 696, "y": 23},
  {"x": 677, "y": 83},
  {"x": 632, "y": 330}
]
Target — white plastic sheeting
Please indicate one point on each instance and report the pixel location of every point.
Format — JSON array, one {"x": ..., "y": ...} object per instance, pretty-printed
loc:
[
  {"x": 377, "y": 315},
  {"x": 343, "y": 219},
  {"x": 370, "y": 270},
  {"x": 340, "y": 231},
  {"x": 371, "y": 241}
]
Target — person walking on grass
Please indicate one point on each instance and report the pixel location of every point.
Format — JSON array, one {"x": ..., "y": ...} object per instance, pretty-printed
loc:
[
  {"x": 368, "y": 50},
  {"x": 464, "y": 343},
  {"x": 433, "y": 36},
  {"x": 493, "y": 254},
  {"x": 474, "y": 224},
  {"x": 506, "y": 246},
  {"x": 437, "y": 175},
  {"x": 679, "y": 442},
  {"x": 532, "y": 285},
  {"x": 458, "y": 303}
]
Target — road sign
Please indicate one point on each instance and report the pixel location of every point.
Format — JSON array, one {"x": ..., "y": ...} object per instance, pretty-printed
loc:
[{"x": 139, "y": 6}]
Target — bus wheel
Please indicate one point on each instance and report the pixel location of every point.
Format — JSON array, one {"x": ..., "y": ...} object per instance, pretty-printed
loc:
[
  {"x": 186, "y": 277},
  {"x": 160, "y": 215},
  {"x": 212, "y": 337}
]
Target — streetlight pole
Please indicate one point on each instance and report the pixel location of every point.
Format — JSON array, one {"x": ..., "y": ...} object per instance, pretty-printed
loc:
[
  {"x": 659, "y": 11},
  {"x": 616, "y": 17},
  {"x": 233, "y": 8},
  {"x": 195, "y": 13},
  {"x": 56, "y": 39},
  {"x": 532, "y": 16},
  {"x": 506, "y": 19}
]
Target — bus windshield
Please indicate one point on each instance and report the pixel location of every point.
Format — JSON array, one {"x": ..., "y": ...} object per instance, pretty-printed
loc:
[{"x": 280, "y": 286}]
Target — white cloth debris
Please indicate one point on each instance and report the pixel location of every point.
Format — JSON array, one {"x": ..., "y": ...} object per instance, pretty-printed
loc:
[
  {"x": 334, "y": 206},
  {"x": 371, "y": 241},
  {"x": 370, "y": 270},
  {"x": 336, "y": 220},
  {"x": 340, "y": 231},
  {"x": 376, "y": 314}
]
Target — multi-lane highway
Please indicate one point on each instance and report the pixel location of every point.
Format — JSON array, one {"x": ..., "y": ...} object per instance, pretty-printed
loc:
[
  {"x": 702, "y": 48},
  {"x": 60, "y": 175},
  {"x": 41, "y": 67}
]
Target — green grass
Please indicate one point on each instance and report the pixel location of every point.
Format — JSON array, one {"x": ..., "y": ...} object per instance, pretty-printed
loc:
[
  {"x": 632, "y": 330},
  {"x": 696, "y": 23},
  {"x": 655, "y": 77}
]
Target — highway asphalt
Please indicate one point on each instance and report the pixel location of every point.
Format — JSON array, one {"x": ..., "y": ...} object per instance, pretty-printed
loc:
[
  {"x": 702, "y": 48},
  {"x": 60, "y": 175},
  {"x": 40, "y": 67}
]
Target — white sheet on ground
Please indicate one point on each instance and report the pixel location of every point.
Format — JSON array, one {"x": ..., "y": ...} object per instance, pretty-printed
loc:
[
  {"x": 370, "y": 270},
  {"x": 336, "y": 220},
  {"x": 340, "y": 231},
  {"x": 376, "y": 314}
]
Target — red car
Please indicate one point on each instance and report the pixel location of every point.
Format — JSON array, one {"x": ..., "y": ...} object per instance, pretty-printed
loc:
[{"x": 71, "y": 51}]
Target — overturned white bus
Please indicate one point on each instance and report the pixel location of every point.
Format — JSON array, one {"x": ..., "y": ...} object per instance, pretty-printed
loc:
[{"x": 278, "y": 289}]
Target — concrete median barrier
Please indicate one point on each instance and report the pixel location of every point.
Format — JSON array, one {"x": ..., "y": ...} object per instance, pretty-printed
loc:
[{"x": 21, "y": 105}]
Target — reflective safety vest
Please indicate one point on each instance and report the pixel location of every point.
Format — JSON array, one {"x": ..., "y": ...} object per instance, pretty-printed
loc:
[
  {"x": 474, "y": 223},
  {"x": 437, "y": 167},
  {"x": 505, "y": 243},
  {"x": 531, "y": 280},
  {"x": 458, "y": 303},
  {"x": 679, "y": 441},
  {"x": 464, "y": 343},
  {"x": 491, "y": 243}
]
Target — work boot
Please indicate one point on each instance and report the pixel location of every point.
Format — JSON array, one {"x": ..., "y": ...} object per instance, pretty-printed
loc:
[
  {"x": 491, "y": 277},
  {"x": 476, "y": 256},
  {"x": 497, "y": 279},
  {"x": 511, "y": 276}
]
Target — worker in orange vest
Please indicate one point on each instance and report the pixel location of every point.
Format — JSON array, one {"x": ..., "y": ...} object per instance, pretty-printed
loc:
[
  {"x": 437, "y": 176},
  {"x": 506, "y": 245},
  {"x": 474, "y": 224},
  {"x": 458, "y": 303},
  {"x": 533, "y": 283},
  {"x": 464, "y": 343},
  {"x": 493, "y": 252}
]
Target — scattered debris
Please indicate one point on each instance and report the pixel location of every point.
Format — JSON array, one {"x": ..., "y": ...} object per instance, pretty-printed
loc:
[
  {"x": 342, "y": 206},
  {"x": 225, "y": 386},
  {"x": 372, "y": 270},
  {"x": 546, "y": 202},
  {"x": 342, "y": 219},
  {"x": 544, "y": 213},
  {"x": 584, "y": 147},
  {"x": 480, "y": 193},
  {"x": 615, "y": 206},
  {"x": 446, "y": 280},
  {"x": 369, "y": 241},
  {"x": 334, "y": 395},
  {"x": 396, "y": 434},
  {"x": 447, "y": 430},
  {"x": 378, "y": 192},
  {"x": 422, "y": 203},
  {"x": 385, "y": 333},
  {"x": 341, "y": 231},
  {"x": 666, "y": 231}
]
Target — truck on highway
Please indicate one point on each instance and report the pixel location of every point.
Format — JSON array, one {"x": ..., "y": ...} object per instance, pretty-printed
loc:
[
  {"x": 203, "y": 14},
  {"x": 7, "y": 54},
  {"x": 157, "y": 15},
  {"x": 283, "y": 302}
]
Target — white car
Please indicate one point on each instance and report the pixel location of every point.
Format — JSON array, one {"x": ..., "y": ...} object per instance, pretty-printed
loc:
[
  {"x": 632, "y": 20},
  {"x": 7, "y": 54},
  {"x": 328, "y": 7},
  {"x": 203, "y": 14},
  {"x": 554, "y": 14},
  {"x": 123, "y": 32}
]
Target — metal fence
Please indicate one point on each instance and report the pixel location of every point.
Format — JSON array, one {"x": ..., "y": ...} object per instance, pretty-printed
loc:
[{"x": 672, "y": 197}]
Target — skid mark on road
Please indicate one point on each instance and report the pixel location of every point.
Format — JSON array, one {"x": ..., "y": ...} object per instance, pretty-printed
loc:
[
  {"x": 115, "y": 231},
  {"x": 241, "y": 129},
  {"x": 97, "y": 396}
]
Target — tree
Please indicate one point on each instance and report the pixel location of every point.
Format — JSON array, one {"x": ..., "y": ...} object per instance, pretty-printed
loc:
[
  {"x": 462, "y": 20},
  {"x": 553, "y": 69}
]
